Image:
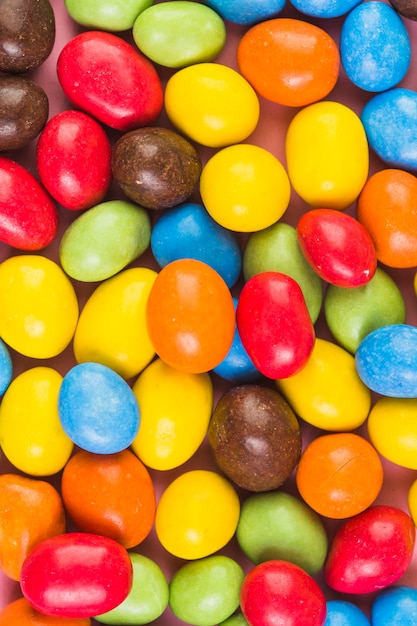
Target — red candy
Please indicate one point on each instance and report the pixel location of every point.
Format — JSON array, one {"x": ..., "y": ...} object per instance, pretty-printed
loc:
[
  {"x": 337, "y": 246},
  {"x": 104, "y": 75},
  {"x": 73, "y": 158},
  {"x": 28, "y": 217},
  {"x": 76, "y": 575},
  {"x": 274, "y": 324}
]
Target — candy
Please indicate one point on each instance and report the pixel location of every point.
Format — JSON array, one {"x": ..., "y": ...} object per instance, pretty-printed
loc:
[
  {"x": 38, "y": 306},
  {"x": 246, "y": 12},
  {"x": 31, "y": 434},
  {"x": 392, "y": 430},
  {"x": 6, "y": 367},
  {"x": 324, "y": 8},
  {"x": 397, "y": 605},
  {"x": 206, "y": 592},
  {"x": 197, "y": 514},
  {"x": 177, "y": 34},
  {"x": 29, "y": 218},
  {"x": 112, "y": 327},
  {"x": 386, "y": 360},
  {"x": 98, "y": 409},
  {"x": 73, "y": 160},
  {"x": 370, "y": 551},
  {"x": 327, "y": 154},
  {"x": 289, "y": 61},
  {"x": 255, "y": 437},
  {"x": 31, "y": 510},
  {"x": 344, "y": 613},
  {"x": 106, "y": 15},
  {"x": 406, "y": 8},
  {"x": 245, "y": 188},
  {"x": 104, "y": 240},
  {"x": 278, "y": 525},
  {"x": 274, "y": 324},
  {"x": 156, "y": 167},
  {"x": 375, "y": 47},
  {"x": 105, "y": 76},
  {"x": 212, "y": 104},
  {"x": 76, "y": 575},
  {"x": 176, "y": 409},
  {"x": 21, "y": 612}
]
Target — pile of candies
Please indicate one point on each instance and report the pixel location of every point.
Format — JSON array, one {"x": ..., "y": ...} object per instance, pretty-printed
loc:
[{"x": 208, "y": 327}]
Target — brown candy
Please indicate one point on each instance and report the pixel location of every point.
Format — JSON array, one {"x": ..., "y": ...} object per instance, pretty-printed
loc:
[
  {"x": 24, "y": 109},
  {"x": 155, "y": 167},
  {"x": 255, "y": 437},
  {"x": 27, "y": 34},
  {"x": 406, "y": 8}
]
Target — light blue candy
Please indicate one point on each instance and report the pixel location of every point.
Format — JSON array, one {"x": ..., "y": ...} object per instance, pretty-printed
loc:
[
  {"x": 390, "y": 122},
  {"x": 246, "y": 11},
  {"x": 6, "y": 367},
  {"x": 97, "y": 409},
  {"x": 188, "y": 231},
  {"x": 324, "y": 8},
  {"x": 395, "y": 606},
  {"x": 386, "y": 361},
  {"x": 344, "y": 613},
  {"x": 375, "y": 48}
]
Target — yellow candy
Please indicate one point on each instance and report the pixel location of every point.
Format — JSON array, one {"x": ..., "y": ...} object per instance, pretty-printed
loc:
[
  {"x": 327, "y": 392},
  {"x": 31, "y": 435},
  {"x": 245, "y": 188},
  {"x": 327, "y": 155},
  {"x": 38, "y": 306},
  {"x": 175, "y": 412},
  {"x": 212, "y": 104},
  {"x": 112, "y": 327},
  {"x": 392, "y": 429},
  {"x": 412, "y": 501}
]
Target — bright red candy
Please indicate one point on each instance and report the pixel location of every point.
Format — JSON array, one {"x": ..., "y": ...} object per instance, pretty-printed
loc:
[
  {"x": 337, "y": 246},
  {"x": 278, "y": 592},
  {"x": 274, "y": 324},
  {"x": 76, "y": 575},
  {"x": 28, "y": 216},
  {"x": 73, "y": 158},
  {"x": 105, "y": 76},
  {"x": 370, "y": 551}
]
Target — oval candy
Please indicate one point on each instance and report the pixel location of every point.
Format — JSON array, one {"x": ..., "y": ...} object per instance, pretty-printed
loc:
[
  {"x": 21, "y": 612},
  {"x": 392, "y": 430},
  {"x": 324, "y": 8},
  {"x": 246, "y": 11},
  {"x": 107, "y": 15}
]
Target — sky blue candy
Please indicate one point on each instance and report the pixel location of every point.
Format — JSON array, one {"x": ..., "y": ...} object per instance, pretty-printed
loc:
[
  {"x": 375, "y": 48},
  {"x": 386, "y": 361},
  {"x": 324, "y": 8},
  {"x": 246, "y": 11},
  {"x": 390, "y": 122},
  {"x": 97, "y": 408},
  {"x": 188, "y": 231},
  {"x": 344, "y": 613},
  {"x": 395, "y": 606},
  {"x": 6, "y": 367}
]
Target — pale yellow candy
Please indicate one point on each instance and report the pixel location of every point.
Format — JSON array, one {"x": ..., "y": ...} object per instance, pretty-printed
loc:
[{"x": 112, "y": 328}]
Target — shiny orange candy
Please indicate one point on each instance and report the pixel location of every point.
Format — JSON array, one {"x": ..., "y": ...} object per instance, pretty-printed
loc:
[
  {"x": 21, "y": 613},
  {"x": 190, "y": 316},
  {"x": 339, "y": 475},
  {"x": 289, "y": 61},
  {"x": 110, "y": 495},
  {"x": 387, "y": 207}
]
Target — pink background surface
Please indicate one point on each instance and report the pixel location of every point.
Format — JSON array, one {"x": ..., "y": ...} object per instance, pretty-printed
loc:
[{"x": 269, "y": 134}]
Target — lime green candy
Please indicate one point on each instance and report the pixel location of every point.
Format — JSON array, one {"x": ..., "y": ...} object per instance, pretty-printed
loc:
[
  {"x": 178, "y": 34},
  {"x": 104, "y": 240},
  {"x": 111, "y": 15}
]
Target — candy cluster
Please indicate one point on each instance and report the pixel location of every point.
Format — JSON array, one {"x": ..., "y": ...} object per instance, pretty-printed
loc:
[{"x": 207, "y": 330}]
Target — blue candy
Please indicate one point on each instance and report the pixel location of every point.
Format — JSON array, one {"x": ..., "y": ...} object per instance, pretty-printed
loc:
[
  {"x": 390, "y": 122},
  {"x": 395, "y": 606},
  {"x": 246, "y": 11},
  {"x": 324, "y": 8},
  {"x": 386, "y": 361},
  {"x": 344, "y": 613},
  {"x": 188, "y": 231},
  {"x": 6, "y": 367},
  {"x": 97, "y": 409},
  {"x": 375, "y": 48}
]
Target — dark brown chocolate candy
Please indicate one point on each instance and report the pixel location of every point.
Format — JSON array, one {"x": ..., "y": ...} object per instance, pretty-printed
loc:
[
  {"x": 27, "y": 34},
  {"x": 24, "y": 109},
  {"x": 155, "y": 167},
  {"x": 255, "y": 437},
  {"x": 406, "y": 8}
]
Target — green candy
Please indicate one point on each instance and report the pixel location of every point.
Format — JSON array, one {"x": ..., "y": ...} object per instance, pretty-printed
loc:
[
  {"x": 351, "y": 314},
  {"x": 104, "y": 240},
  {"x": 276, "y": 249},
  {"x": 111, "y": 15},
  {"x": 235, "y": 620},
  {"x": 147, "y": 599},
  {"x": 178, "y": 34}
]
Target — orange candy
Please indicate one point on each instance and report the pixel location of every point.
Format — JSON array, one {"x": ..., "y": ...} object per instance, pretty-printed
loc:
[
  {"x": 190, "y": 316},
  {"x": 387, "y": 207},
  {"x": 20, "y": 613},
  {"x": 339, "y": 475},
  {"x": 289, "y": 61},
  {"x": 109, "y": 494}
]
